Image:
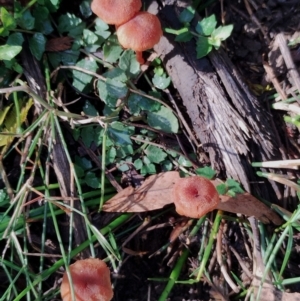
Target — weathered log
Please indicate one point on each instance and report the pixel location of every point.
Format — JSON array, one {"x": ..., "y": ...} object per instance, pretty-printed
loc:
[{"x": 228, "y": 120}]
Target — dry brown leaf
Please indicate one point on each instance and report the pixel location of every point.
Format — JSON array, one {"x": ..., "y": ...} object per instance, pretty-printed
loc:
[
  {"x": 247, "y": 204},
  {"x": 156, "y": 192},
  {"x": 59, "y": 44}
]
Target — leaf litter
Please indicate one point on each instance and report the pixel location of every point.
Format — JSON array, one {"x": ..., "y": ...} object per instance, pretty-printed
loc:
[{"x": 156, "y": 193}]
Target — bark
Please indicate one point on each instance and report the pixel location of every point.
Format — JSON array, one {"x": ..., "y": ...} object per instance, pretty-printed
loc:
[{"x": 229, "y": 121}]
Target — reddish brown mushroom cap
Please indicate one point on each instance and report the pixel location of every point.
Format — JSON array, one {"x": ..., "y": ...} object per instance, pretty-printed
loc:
[
  {"x": 91, "y": 281},
  {"x": 116, "y": 11},
  {"x": 140, "y": 33},
  {"x": 195, "y": 196}
]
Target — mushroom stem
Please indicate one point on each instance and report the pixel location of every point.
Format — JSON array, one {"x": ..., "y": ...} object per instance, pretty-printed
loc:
[{"x": 139, "y": 57}]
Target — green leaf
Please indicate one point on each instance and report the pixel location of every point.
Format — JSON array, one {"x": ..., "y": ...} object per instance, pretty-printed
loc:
[
  {"x": 124, "y": 150},
  {"x": 13, "y": 65},
  {"x": 10, "y": 122},
  {"x": 83, "y": 162},
  {"x": 54, "y": 2},
  {"x": 206, "y": 26},
  {"x": 111, "y": 90},
  {"x": 79, "y": 171},
  {"x": 110, "y": 155},
  {"x": 68, "y": 57},
  {"x": 117, "y": 74},
  {"x": 101, "y": 25},
  {"x": 129, "y": 64},
  {"x": 138, "y": 164},
  {"x": 234, "y": 187},
  {"x": 8, "y": 22},
  {"x": 15, "y": 39},
  {"x": 164, "y": 120},
  {"x": 118, "y": 133},
  {"x": 222, "y": 32},
  {"x": 112, "y": 49},
  {"x": 216, "y": 42},
  {"x": 89, "y": 109},
  {"x": 137, "y": 102},
  {"x": 8, "y": 52},
  {"x": 102, "y": 31},
  {"x": 4, "y": 198},
  {"x": 92, "y": 180},
  {"x": 68, "y": 22},
  {"x": 206, "y": 172},
  {"x": 166, "y": 165},
  {"x": 187, "y": 15},
  {"x": 87, "y": 135},
  {"x": 184, "y": 161},
  {"x": 161, "y": 82},
  {"x": 184, "y": 37},
  {"x": 104, "y": 96},
  {"x": 116, "y": 88},
  {"x": 148, "y": 169},
  {"x": 26, "y": 21},
  {"x": 155, "y": 154},
  {"x": 42, "y": 20},
  {"x": 203, "y": 47},
  {"x": 85, "y": 9},
  {"x": 159, "y": 70},
  {"x": 71, "y": 24},
  {"x": 222, "y": 189},
  {"x": 81, "y": 79},
  {"x": 37, "y": 44},
  {"x": 123, "y": 166},
  {"x": 89, "y": 37}
]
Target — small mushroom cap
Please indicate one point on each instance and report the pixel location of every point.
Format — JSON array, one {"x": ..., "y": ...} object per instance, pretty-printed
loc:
[
  {"x": 91, "y": 281},
  {"x": 195, "y": 196},
  {"x": 115, "y": 11},
  {"x": 140, "y": 33}
]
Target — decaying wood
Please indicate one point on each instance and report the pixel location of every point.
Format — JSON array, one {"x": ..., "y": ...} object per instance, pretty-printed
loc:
[{"x": 228, "y": 120}]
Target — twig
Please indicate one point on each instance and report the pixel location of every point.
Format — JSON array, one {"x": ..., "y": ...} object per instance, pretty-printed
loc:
[
  {"x": 256, "y": 21},
  {"x": 291, "y": 164},
  {"x": 286, "y": 107},
  {"x": 274, "y": 80},
  {"x": 223, "y": 267},
  {"x": 285, "y": 51},
  {"x": 241, "y": 262}
]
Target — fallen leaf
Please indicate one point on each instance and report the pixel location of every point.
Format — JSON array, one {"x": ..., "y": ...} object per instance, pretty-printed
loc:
[
  {"x": 156, "y": 192},
  {"x": 59, "y": 44},
  {"x": 247, "y": 204}
]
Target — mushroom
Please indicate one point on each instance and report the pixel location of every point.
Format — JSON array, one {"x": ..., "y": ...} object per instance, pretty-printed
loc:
[
  {"x": 90, "y": 280},
  {"x": 140, "y": 33},
  {"x": 195, "y": 196},
  {"x": 116, "y": 11}
]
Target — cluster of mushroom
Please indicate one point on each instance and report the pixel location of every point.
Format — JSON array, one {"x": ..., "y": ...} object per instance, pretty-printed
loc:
[
  {"x": 195, "y": 196},
  {"x": 136, "y": 30}
]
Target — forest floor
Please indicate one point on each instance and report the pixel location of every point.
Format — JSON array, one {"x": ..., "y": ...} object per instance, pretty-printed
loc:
[{"x": 73, "y": 153}]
